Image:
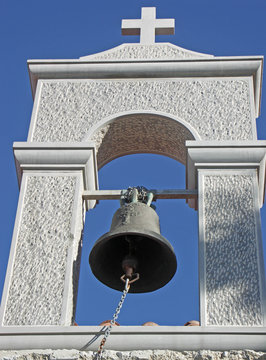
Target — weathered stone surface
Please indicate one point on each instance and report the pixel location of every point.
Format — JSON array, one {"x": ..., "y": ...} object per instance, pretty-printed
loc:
[
  {"x": 132, "y": 355},
  {"x": 215, "y": 109},
  {"x": 232, "y": 279}
]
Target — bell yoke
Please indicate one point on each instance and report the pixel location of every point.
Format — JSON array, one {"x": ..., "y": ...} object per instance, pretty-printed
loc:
[{"x": 134, "y": 246}]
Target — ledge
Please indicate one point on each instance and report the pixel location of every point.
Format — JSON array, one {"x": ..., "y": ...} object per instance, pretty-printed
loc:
[
  {"x": 127, "y": 338},
  {"x": 244, "y": 66},
  {"x": 30, "y": 156},
  {"x": 226, "y": 155}
]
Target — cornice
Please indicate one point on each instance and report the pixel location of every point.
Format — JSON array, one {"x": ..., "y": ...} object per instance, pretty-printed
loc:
[{"x": 247, "y": 66}]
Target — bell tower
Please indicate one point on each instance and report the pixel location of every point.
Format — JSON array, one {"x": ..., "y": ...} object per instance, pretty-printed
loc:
[{"x": 196, "y": 108}]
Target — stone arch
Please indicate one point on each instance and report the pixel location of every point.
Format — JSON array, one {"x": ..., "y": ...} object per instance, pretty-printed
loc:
[{"x": 141, "y": 132}]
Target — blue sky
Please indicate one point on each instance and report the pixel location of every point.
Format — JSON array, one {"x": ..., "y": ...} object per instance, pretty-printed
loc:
[{"x": 64, "y": 29}]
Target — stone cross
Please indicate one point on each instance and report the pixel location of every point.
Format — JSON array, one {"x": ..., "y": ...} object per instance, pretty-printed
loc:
[{"x": 148, "y": 26}]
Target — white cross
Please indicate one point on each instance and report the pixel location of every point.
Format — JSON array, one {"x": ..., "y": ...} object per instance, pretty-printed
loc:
[{"x": 148, "y": 26}]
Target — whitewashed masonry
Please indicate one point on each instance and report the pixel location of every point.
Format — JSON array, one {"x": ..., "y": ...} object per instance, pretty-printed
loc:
[{"x": 198, "y": 109}]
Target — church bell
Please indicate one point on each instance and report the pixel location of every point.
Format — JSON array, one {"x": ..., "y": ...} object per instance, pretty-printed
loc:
[{"x": 134, "y": 248}]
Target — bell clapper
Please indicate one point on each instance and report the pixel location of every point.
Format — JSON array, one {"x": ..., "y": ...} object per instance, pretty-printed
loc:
[{"x": 130, "y": 264}]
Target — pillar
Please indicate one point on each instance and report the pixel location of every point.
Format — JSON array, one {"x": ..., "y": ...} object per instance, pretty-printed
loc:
[
  {"x": 42, "y": 275},
  {"x": 230, "y": 179}
]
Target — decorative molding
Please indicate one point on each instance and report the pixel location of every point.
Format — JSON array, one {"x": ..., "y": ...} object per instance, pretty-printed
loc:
[
  {"x": 58, "y": 157},
  {"x": 229, "y": 154},
  {"x": 216, "y": 67},
  {"x": 126, "y": 338}
]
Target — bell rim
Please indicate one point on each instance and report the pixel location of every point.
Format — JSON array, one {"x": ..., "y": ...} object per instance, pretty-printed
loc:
[{"x": 150, "y": 234}]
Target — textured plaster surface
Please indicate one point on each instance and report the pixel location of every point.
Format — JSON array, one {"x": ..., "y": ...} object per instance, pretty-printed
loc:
[
  {"x": 146, "y": 52},
  {"x": 132, "y": 355},
  {"x": 37, "y": 284},
  {"x": 232, "y": 278},
  {"x": 216, "y": 109}
]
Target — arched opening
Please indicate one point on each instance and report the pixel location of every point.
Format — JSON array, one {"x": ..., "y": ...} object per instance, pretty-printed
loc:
[
  {"x": 177, "y": 302},
  {"x": 138, "y": 132}
]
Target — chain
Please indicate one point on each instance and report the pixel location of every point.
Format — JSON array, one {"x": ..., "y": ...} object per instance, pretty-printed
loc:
[{"x": 115, "y": 316}]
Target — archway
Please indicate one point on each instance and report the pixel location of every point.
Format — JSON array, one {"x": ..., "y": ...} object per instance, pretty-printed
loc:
[
  {"x": 177, "y": 302},
  {"x": 141, "y": 132}
]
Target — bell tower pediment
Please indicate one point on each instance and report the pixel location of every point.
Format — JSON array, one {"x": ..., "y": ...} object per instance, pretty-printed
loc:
[
  {"x": 156, "y": 51},
  {"x": 147, "y": 49}
]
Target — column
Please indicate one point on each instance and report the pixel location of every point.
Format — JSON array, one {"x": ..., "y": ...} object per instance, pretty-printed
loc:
[
  {"x": 42, "y": 276},
  {"x": 231, "y": 268}
]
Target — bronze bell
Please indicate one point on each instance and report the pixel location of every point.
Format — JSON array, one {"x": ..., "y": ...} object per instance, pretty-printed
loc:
[{"x": 134, "y": 246}]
